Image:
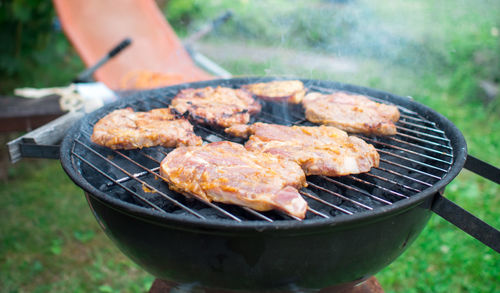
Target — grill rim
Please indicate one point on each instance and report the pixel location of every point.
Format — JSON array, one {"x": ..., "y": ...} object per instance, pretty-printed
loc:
[{"x": 457, "y": 142}]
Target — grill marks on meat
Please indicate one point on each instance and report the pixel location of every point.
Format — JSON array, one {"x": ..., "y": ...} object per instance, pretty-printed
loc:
[
  {"x": 319, "y": 150},
  {"x": 219, "y": 106},
  {"x": 126, "y": 129},
  {"x": 291, "y": 91},
  {"x": 352, "y": 113},
  {"x": 226, "y": 172}
]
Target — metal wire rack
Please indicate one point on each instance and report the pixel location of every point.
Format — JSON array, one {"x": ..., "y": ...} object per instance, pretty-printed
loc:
[{"x": 414, "y": 159}]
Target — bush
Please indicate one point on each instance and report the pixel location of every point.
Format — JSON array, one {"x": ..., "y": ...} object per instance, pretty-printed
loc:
[
  {"x": 33, "y": 53},
  {"x": 180, "y": 14}
]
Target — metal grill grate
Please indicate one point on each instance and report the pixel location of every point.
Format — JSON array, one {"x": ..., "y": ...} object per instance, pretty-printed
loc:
[{"x": 414, "y": 159}]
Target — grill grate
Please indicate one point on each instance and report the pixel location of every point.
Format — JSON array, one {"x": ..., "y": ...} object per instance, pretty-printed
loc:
[{"x": 414, "y": 159}]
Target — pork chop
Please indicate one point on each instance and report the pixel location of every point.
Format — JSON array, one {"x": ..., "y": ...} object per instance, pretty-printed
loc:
[
  {"x": 352, "y": 113},
  {"x": 126, "y": 129},
  {"x": 319, "y": 150},
  {"x": 218, "y": 106},
  {"x": 291, "y": 91},
  {"x": 226, "y": 172}
]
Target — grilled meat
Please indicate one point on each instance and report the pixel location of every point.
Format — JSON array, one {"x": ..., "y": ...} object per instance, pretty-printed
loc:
[
  {"x": 219, "y": 106},
  {"x": 226, "y": 172},
  {"x": 126, "y": 129},
  {"x": 352, "y": 113},
  {"x": 240, "y": 130},
  {"x": 322, "y": 150},
  {"x": 291, "y": 91}
]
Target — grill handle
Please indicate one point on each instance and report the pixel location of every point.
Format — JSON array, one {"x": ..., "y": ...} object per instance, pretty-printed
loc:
[
  {"x": 44, "y": 141},
  {"x": 483, "y": 169},
  {"x": 467, "y": 222},
  {"x": 464, "y": 220}
]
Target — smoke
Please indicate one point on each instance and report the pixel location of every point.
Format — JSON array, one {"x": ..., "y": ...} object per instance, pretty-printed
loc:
[{"x": 350, "y": 40}]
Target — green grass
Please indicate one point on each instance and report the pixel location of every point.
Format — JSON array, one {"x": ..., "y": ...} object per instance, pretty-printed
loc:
[
  {"x": 445, "y": 259},
  {"x": 50, "y": 241},
  {"x": 436, "y": 53}
]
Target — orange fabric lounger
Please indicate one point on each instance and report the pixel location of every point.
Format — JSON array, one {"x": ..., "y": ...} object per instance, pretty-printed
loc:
[{"x": 94, "y": 27}]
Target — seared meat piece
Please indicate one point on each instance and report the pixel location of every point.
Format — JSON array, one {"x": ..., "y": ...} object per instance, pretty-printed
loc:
[
  {"x": 126, "y": 129},
  {"x": 226, "y": 172},
  {"x": 291, "y": 91},
  {"x": 216, "y": 106},
  {"x": 240, "y": 130},
  {"x": 352, "y": 113},
  {"x": 321, "y": 150}
]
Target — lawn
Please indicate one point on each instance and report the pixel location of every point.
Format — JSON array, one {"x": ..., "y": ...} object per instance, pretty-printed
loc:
[{"x": 50, "y": 242}]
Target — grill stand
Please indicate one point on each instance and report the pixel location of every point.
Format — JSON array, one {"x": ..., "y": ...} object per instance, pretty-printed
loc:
[
  {"x": 464, "y": 220},
  {"x": 467, "y": 222},
  {"x": 371, "y": 285}
]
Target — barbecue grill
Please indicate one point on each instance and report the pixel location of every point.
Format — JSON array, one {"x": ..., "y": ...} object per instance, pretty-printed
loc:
[{"x": 355, "y": 224}]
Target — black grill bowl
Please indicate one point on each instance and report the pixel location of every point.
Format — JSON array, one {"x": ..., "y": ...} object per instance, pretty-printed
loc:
[
  {"x": 281, "y": 258},
  {"x": 257, "y": 255}
]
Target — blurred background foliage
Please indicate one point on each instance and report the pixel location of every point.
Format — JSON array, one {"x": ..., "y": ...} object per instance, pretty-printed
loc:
[
  {"x": 32, "y": 41},
  {"x": 442, "y": 53},
  {"x": 465, "y": 44},
  {"x": 33, "y": 50}
]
